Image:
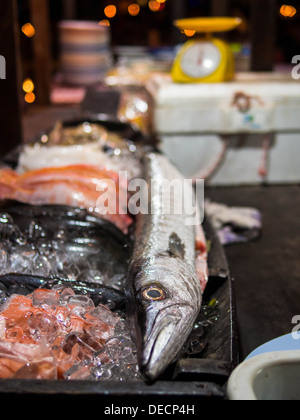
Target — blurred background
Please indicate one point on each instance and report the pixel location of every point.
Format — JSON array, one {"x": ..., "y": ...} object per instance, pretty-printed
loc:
[
  {"x": 138, "y": 35},
  {"x": 149, "y": 24}
]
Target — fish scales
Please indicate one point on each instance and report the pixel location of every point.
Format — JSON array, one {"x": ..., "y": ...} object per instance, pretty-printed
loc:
[
  {"x": 164, "y": 291},
  {"x": 159, "y": 169}
]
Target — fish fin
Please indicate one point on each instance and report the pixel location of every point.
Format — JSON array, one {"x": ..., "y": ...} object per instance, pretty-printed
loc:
[{"x": 176, "y": 247}]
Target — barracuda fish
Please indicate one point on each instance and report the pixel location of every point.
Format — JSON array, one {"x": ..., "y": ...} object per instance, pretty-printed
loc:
[{"x": 165, "y": 293}]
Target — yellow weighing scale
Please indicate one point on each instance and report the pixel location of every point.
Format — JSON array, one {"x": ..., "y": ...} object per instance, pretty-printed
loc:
[{"x": 208, "y": 59}]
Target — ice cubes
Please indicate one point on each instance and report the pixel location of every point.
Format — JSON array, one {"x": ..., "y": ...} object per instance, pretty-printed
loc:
[
  {"x": 57, "y": 334},
  {"x": 45, "y": 297}
]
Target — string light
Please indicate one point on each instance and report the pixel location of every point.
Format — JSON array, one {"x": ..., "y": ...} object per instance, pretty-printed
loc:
[
  {"x": 30, "y": 97},
  {"x": 28, "y": 86},
  {"x": 189, "y": 32},
  {"x": 288, "y": 11},
  {"x": 110, "y": 11},
  {"x": 28, "y": 30},
  {"x": 104, "y": 22},
  {"x": 154, "y": 6},
  {"x": 134, "y": 9}
]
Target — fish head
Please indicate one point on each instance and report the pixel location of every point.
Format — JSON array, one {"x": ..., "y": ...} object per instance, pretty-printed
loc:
[{"x": 167, "y": 304}]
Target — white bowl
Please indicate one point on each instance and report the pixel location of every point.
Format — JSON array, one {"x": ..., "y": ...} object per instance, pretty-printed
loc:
[
  {"x": 287, "y": 342},
  {"x": 267, "y": 377}
]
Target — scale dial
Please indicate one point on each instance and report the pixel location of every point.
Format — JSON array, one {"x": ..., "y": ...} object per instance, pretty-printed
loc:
[{"x": 201, "y": 60}]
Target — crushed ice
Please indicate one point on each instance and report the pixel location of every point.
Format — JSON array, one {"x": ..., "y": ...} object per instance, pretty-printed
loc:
[
  {"x": 55, "y": 334},
  {"x": 31, "y": 253}
]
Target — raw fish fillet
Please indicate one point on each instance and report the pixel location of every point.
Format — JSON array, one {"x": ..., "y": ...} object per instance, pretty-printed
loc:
[{"x": 77, "y": 186}]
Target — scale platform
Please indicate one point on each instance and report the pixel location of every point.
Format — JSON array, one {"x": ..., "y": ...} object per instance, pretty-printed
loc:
[{"x": 208, "y": 25}]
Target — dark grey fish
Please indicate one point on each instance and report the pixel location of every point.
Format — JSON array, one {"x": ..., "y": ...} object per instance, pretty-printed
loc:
[
  {"x": 23, "y": 284},
  {"x": 164, "y": 291},
  {"x": 66, "y": 245}
]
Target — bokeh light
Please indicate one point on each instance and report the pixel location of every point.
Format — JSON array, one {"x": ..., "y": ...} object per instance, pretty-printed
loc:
[
  {"x": 154, "y": 6},
  {"x": 189, "y": 32},
  {"x": 110, "y": 11},
  {"x": 28, "y": 86},
  {"x": 28, "y": 30},
  {"x": 30, "y": 97},
  {"x": 104, "y": 22},
  {"x": 288, "y": 11},
  {"x": 134, "y": 9}
]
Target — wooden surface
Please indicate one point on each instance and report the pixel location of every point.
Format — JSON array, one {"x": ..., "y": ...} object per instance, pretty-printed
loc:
[
  {"x": 178, "y": 10},
  {"x": 10, "y": 88},
  {"x": 39, "y": 10},
  {"x": 69, "y": 9},
  {"x": 263, "y": 34},
  {"x": 220, "y": 8}
]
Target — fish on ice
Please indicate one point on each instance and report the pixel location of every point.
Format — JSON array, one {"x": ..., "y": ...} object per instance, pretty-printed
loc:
[
  {"x": 164, "y": 286},
  {"x": 65, "y": 244},
  {"x": 86, "y": 143},
  {"x": 75, "y": 185}
]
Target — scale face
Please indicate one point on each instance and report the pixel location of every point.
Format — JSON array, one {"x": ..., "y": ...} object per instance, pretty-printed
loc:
[
  {"x": 206, "y": 60},
  {"x": 201, "y": 60}
]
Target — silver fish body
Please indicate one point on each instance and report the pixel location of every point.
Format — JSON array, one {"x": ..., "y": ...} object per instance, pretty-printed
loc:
[{"x": 164, "y": 291}]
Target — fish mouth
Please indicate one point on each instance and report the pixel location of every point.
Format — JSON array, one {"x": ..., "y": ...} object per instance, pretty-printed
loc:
[{"x": 170, "y": 330}]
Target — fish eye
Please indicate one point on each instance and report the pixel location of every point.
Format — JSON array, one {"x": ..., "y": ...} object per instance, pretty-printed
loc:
[{"x": 154, "y": 294}]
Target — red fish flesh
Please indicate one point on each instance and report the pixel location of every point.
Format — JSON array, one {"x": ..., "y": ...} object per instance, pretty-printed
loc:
[{"x": 77, "y": 186}]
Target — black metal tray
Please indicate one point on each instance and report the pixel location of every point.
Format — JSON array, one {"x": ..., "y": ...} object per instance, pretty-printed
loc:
[{"x": 191, "y": 378}]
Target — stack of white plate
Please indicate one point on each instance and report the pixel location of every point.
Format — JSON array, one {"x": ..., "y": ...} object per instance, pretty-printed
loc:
[{"x": 85, "y": 51}]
